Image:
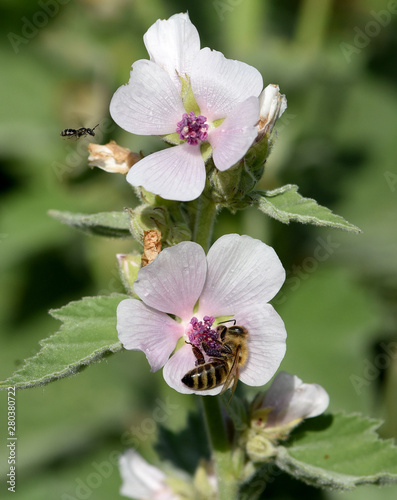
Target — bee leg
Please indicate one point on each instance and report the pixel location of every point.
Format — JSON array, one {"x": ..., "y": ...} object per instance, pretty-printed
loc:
[{"x": 198, "y": 355}]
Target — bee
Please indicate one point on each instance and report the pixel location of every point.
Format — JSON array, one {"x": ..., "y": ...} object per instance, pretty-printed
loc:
[
  {"x": 71, "y": 133},
  {"x": 225, "y": 360}
]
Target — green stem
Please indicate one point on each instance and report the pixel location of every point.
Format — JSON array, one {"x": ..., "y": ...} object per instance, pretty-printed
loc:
[
  {"x": 221, "y": 448},
  {"x": 204, "y": 221}
]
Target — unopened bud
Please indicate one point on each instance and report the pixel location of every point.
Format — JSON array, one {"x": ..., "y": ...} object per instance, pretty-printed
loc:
[
  {"x": 129, "y": 265},
  {"x": 259, "y": 448},
  {"x": 272, "y": 105},
  {"x": 177, "y": 233},
  {"x": 146, "y": 218}
]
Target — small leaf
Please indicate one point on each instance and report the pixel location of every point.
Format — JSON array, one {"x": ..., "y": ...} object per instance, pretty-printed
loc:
[
  {"x": 286, "y": 204},
  {"x": 110, "y": 224},
  {"x": 87, "y": 334},
  {"x": 339, "y": 451}
]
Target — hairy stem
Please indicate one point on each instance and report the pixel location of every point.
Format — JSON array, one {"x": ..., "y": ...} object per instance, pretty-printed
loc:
[{"x": 204, "y": 221}]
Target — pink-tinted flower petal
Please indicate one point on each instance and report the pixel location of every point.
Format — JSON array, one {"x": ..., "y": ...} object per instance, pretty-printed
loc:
[
  {"x": 145, "y": 329},
  {"x": 241, "y": 271},
  {"x": 173, "y": 282},
  {"x": 149, "y": 104},
  {"x": 173, "y": 44},
  {"x": 231, "y": 140},
  {"x": 175, "y": 173},
  {"x": 291, "y": 399},
  {"x": 140, "y": 479},
  {"x": 177, "y": 366},
  {"x": 219, "y": 84},
  {"x": 266, "y": 344}
]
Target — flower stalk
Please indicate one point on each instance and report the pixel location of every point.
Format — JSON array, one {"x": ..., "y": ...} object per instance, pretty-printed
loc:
[{"x": 221, "y": 448}]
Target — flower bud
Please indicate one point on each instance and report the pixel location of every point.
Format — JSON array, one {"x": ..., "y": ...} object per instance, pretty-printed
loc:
[
  {"x": 146, "y": 218},
  {"x": 286, "y": 403},
  {"x": 129, "y": 265},
  {"x": 272, "y": 105},
  {"x": 259, "y": 448},
  {"x": 177, "y": 233},
  {"x": 111, "y": 157},
  {"x": 151, "y": 246}
]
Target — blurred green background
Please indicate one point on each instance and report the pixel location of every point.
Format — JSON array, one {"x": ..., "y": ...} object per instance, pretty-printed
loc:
[{"x": 60, "y": 64}]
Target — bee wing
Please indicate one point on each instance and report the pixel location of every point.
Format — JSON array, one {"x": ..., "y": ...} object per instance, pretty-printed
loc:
[{"x": 233, "y": 375}]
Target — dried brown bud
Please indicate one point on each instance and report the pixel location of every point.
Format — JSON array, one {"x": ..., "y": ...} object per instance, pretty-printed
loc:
[
  {"x": 112, "y": 157},
  {"x": 151, "y": 246}
]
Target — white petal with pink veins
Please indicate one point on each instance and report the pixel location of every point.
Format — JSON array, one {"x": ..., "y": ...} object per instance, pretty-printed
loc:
[
  {"x": 291, "y": 399},
  {"x": 172, "y": 283},
  {"x": 149, "y": 104},
  {"x": 266, "y": 343},
  {"x": 173, "y": 44},
  {"x": 231, "y": 140},
  {"x": 140, "y": 479},
  {"x": 241, "y": 271},
  {"x": 141, "y": 328},
  {"x": 219, "y": 84},
  {"x": 175, "y": 173},
  {"x": 177, "y": 366}
]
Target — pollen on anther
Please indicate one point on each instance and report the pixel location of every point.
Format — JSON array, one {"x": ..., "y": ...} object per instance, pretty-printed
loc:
[{"x": 193, "y": 129}]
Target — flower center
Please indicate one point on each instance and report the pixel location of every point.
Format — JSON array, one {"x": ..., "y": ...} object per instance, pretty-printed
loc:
[
  {"x": 192, "y": 128},
  {"x": 200, "y": 331}
]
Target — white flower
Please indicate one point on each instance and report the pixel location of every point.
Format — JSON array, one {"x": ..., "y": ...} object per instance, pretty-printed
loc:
[
  {"x": 143, "y": 481},
  {"x": 272, "y": 105},
  {"x": 235, "y": 280},
  {"x": 197, "y": 98},
  {"x": 290, "y": 401}
]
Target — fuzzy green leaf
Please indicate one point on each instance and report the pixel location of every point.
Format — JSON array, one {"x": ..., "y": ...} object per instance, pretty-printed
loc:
[
  {"x": 87, "y": 334},
  {"x": 109, "y": 224},
  {"x": 286, "y": 204},
  {"x": 339, "y": 451}
]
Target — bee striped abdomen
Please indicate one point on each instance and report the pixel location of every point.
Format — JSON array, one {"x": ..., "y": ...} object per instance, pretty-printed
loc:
[
  {"x": 68, "y": 132},
  {"x": 207, "y": 376}
]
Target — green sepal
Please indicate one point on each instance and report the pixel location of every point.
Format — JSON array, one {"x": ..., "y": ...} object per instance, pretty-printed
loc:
[
  {"x": 206, "y": 151},
  {"x": 88, "y": 334},
  {"x": 255, "y": 158},
  {"x": 285, "y": 204},
  {"x": 109, "y": 224},
  {"x": 145, "y": 218},
  {"x": 188, "y": 98}
]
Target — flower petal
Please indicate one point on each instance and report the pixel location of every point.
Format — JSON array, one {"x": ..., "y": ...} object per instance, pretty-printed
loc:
[
  {"x": 141, "y": 328},
  {"x": 173, "y": 44},
  {"x": 241, "y": 271},
  {"x": 177, "y": 366},
  {"x": 266, "y": 344},
  {"x": 231, "y": 140},
  {"x": 219, "y": 84},
  {"x": 291, "y": 400},
  {"x": 175, "y": 173},
  {"x": 173, "y": 282},
  {"x": 140, "y": 479},
  {"x": 149, "y": 104}
]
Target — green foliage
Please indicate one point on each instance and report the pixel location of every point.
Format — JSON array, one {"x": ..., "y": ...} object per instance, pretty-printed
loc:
[
  {"x": 339, "y": 451},
  {"x": 110, "y": 224},
  {"x": 87, "y": 334},
  {"x": 286, "y": 204}
]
